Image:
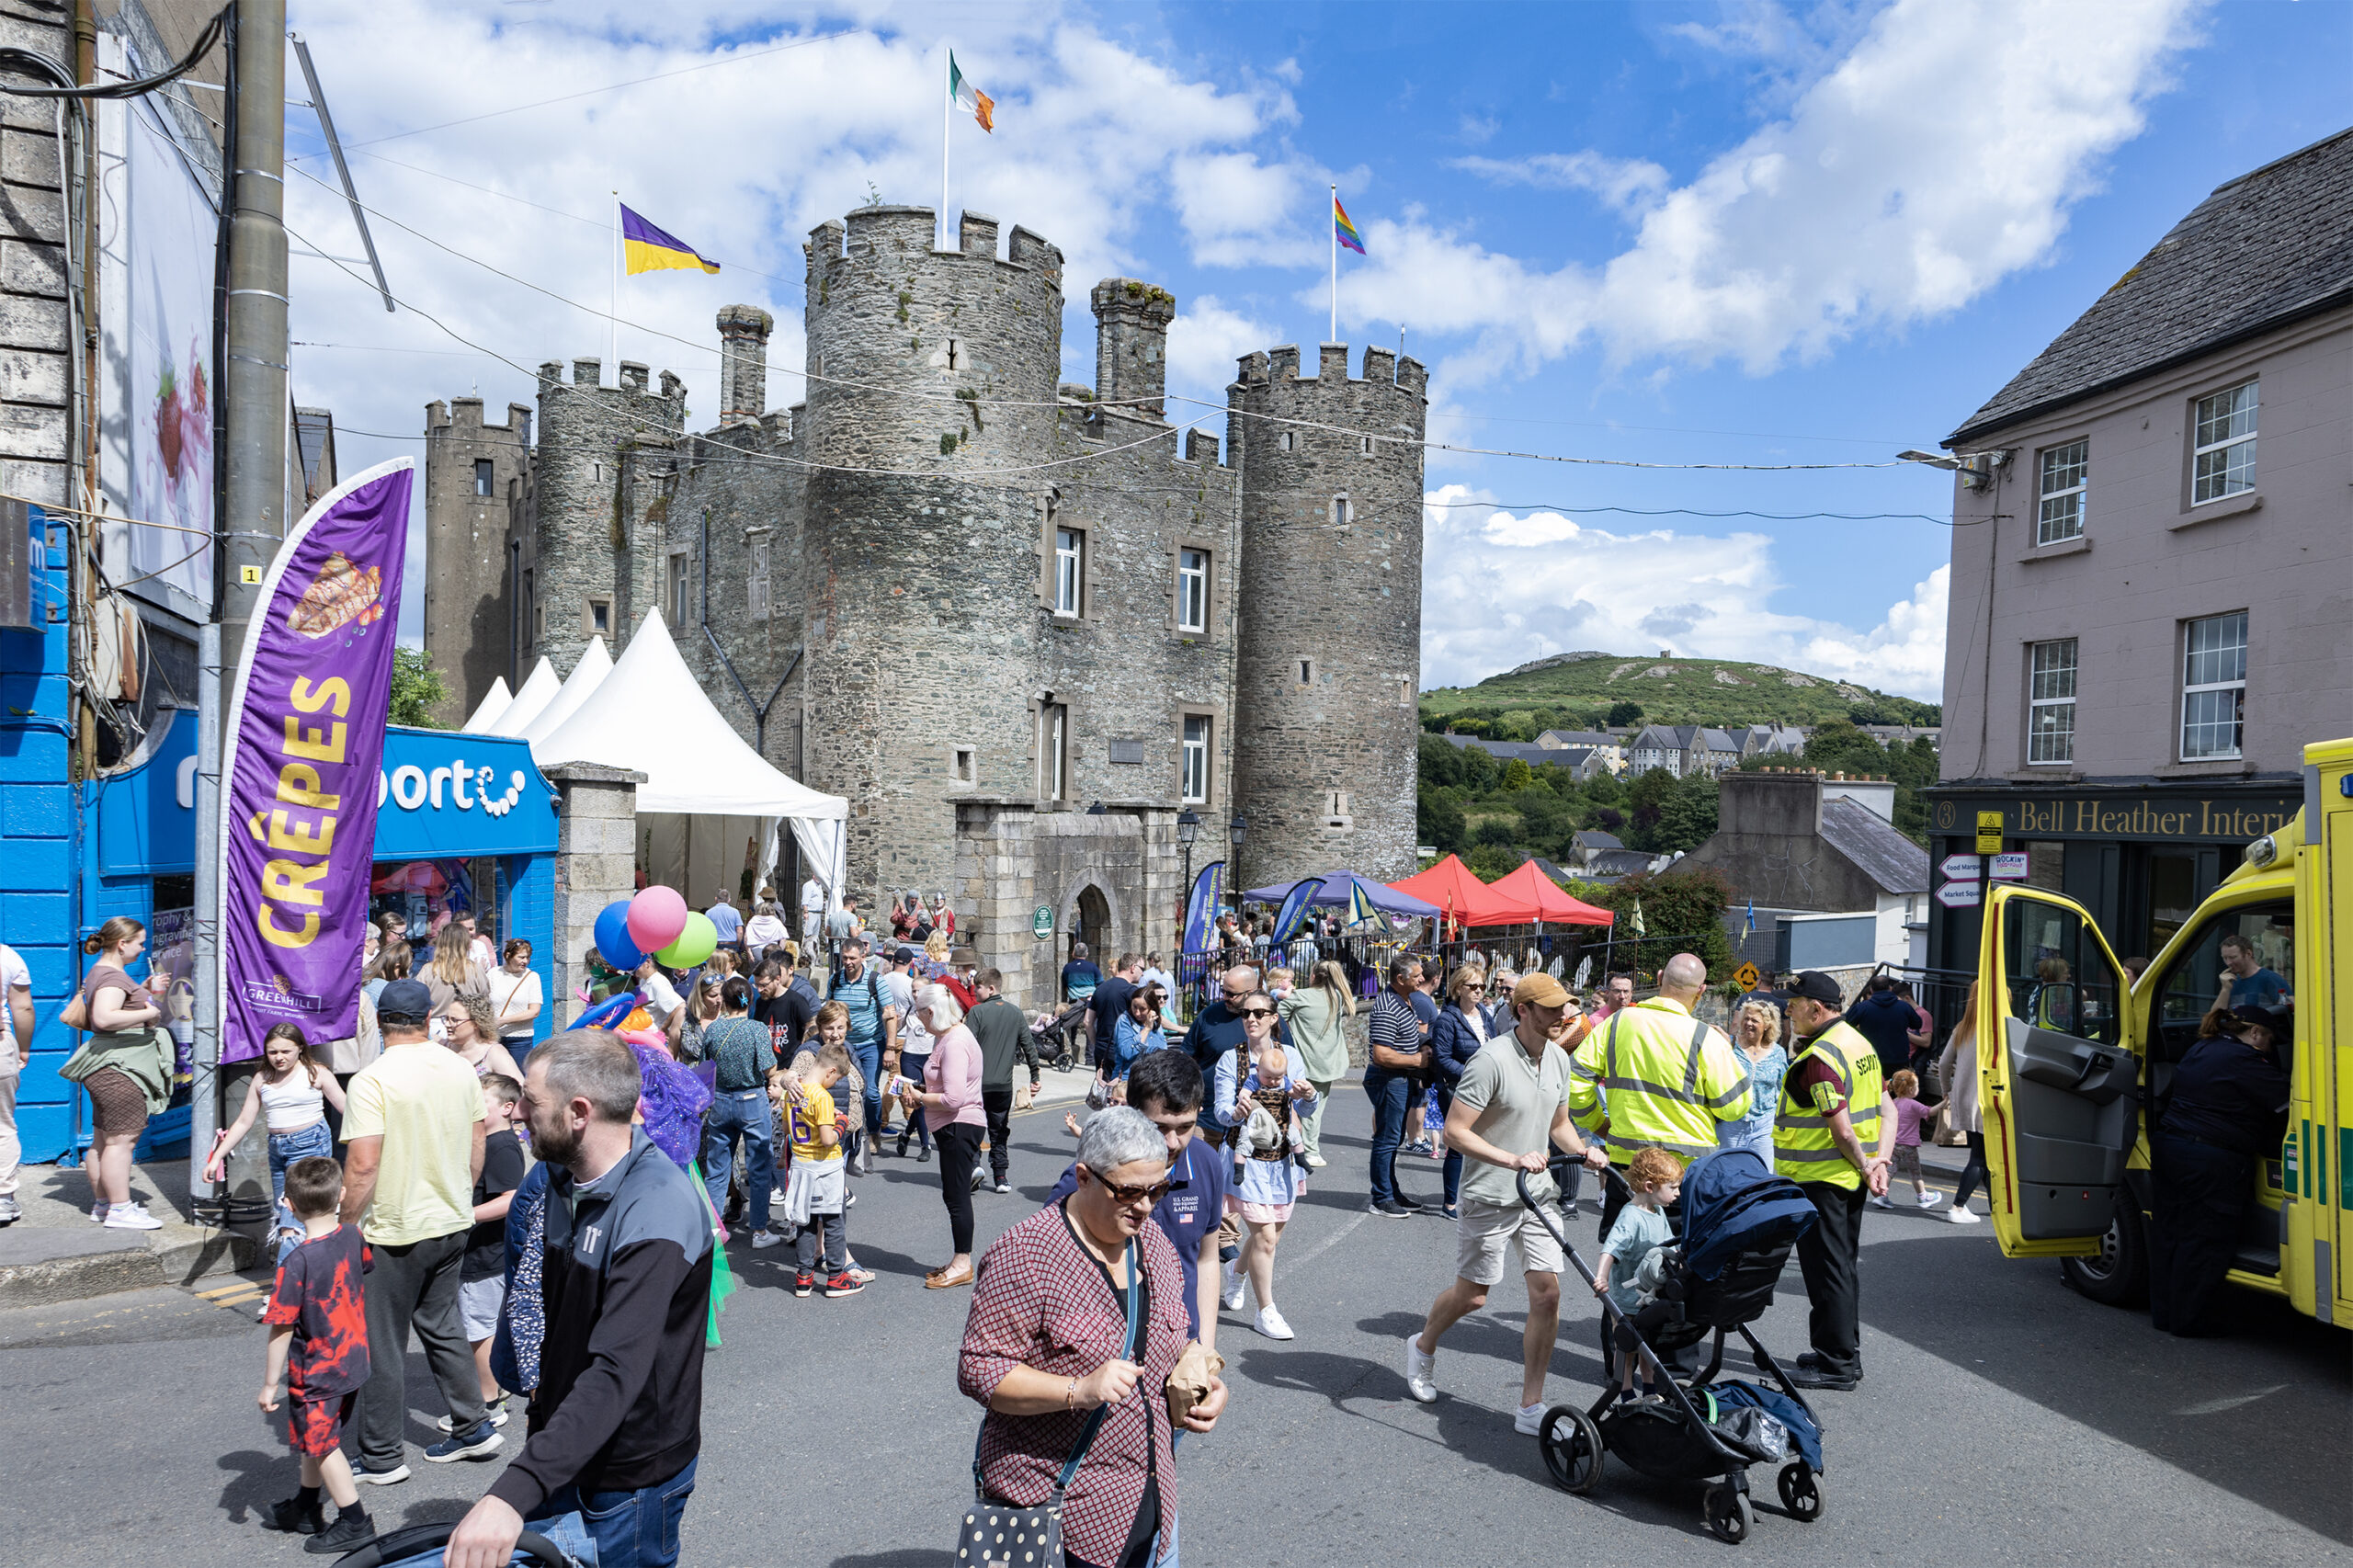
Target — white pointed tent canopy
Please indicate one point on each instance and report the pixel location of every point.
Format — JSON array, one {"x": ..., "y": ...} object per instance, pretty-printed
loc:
[
  {"x": 538, "y": 691},
  {"x": 586, "y": 676},
  {"x": 708, "y": 798},
  {"x": 494, "y": 702}
]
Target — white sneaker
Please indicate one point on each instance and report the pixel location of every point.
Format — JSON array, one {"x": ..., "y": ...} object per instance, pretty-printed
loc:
[
  {"x": 1963, "y": 1217},
  {"x": 776, "y": 1197},
  {"x": 1315, "y": 1161},
  {"x": 1231, "y": 1296},
  {"x": 1421, "y": 1372},
  {"x": 1931, "y": 1198},
  {"x": 1530, "y": 1419},
  {"x": 98, "y": 1212},
  {"x": 1271, "y": 1324},
  {"x": 763, "y": 1240},
  {"x": 132, "y": 1217},
  {"x": 1883, "y": 1202}
]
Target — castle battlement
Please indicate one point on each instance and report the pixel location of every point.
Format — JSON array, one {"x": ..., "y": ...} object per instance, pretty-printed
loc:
[
  {"x": 461, "y": 417},
  {"x": 1383, "y": 368}
]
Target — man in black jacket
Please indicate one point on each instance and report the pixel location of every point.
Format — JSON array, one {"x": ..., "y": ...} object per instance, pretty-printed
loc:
[{"x": 617, "y": 1423}]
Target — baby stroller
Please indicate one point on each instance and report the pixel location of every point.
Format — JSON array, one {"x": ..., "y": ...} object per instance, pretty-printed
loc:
[
  {"x": 1053, "y": 1035},
  {"x": 1739, "y": 1223},
  {"x": 420, "y": 1546}
]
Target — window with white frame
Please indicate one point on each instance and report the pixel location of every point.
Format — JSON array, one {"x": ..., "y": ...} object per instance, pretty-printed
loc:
[
  {"x": 1196, "y": 783},
  {"x": 1070, "y": 560},
  {"x": 2222, "y": 461},
  {"x": 1341, "y": 511},
  {"x": 2051, "y": 704},
  {"x": 2064, "y": 469},
  {"x": 1192, "y": 590},
  {"x": 2213, "y": 687},
  {"x": 1053, "y": 750}
]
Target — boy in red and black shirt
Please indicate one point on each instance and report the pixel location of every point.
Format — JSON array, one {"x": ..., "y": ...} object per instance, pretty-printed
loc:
[{"x": 318, "y": 1343}]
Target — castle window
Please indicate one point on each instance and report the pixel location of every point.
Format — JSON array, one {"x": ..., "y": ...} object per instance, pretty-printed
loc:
[
  {"x": 756, "y": 587},
  {"x": 1070, "y": 562},
  {"x": 957, "y": 359},
  {"x": 1192, "y": 590},
  {"x": 485, "y": 477},
  {"x": 538, "y": 624},
  {"x": 1053, "y": 751},
  {"x": 1364, "y": 445},
  {"x": 598, "y": 620},
  {"x": 1404, "y": 693},
  {"x": 962, "y": 767},
  {"x": 1290, "y": 440},
  {"x": 1336, "y": 808},
  {"x": 1195, "y": 786},
  {"x": 679, "y": 583},
  {"x": 1306, "y": 671},
  {"x": 1342, "y": 512}
]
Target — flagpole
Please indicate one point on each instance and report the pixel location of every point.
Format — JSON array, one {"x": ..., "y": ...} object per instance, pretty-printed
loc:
[
  {"x": 947, "y": 119},
  {"x": 1336, "y": 266},
  {"x": 615, "y": 313}
]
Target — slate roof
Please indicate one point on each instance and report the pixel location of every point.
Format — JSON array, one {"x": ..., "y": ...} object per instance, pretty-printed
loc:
[
  {"x": 2264, "y": 249},
  {"x": 1870, "y": 841},
  {"x": 1576, "y": 738},
  {"x": 1503, "y": 750},
  {"x": 1594, "y": 838}
]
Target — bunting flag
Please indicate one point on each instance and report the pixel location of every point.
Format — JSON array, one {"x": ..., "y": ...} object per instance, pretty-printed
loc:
[
  {"x": 966, "y": 96},
  {"x": 1344, "y": 231},
  {"x": 1294, "y": 910},
  {"x": 1749, "y": 928},
  {"x": 1638, "y": 928},
  {"x": 648, "y": 249},
  {"x": 1360, "y": 909}
]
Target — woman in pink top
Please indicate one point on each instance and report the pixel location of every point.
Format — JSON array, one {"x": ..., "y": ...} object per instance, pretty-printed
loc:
[{"x": 950, "y": 1097}]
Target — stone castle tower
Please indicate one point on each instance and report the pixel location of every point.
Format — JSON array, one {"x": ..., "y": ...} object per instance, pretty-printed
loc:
[
  {"x": 470, "y": 472},
  {"x": 948, "y": 585}
]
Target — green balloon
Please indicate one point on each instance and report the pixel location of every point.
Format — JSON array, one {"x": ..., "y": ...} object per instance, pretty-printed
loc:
[{"x": 695, "y": 944}]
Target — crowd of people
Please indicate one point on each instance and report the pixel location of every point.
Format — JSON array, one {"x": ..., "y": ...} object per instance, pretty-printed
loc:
[{"x": 551, "y": 1224}]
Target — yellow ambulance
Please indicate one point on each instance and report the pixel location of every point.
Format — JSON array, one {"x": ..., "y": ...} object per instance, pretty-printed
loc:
[{"x": 2066, "y": 1103}]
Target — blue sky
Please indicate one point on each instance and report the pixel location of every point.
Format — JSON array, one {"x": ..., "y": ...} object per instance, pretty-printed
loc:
[{"x": 1665, "y": 234}]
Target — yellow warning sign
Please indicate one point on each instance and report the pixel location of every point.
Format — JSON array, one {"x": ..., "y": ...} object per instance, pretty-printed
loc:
[
  {"x": 1745, "y": 977},
  {"x": 1989, "y": 832}
]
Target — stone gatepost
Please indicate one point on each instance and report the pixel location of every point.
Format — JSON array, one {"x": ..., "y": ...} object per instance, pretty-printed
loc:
[
  {"x": 994, "y": 888},
  {"x": 596, "y": 862}
]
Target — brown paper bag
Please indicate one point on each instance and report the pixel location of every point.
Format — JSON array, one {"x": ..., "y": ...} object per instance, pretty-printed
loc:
[{"x": 1188, "y": 1381}]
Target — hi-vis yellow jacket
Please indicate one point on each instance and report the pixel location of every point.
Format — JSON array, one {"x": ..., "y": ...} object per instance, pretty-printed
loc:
[
  {"x": 1657, "y": 1077},
  {"x": 1804, "y": 1146}
]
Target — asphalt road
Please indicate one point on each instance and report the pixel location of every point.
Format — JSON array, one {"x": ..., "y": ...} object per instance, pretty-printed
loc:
[{"x": 2002, "y": 1419}]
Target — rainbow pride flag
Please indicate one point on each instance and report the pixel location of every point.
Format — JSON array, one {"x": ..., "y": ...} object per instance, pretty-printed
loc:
[
  {"x": 647, "y": 249},
  {"x": 1344, "y": 231}
]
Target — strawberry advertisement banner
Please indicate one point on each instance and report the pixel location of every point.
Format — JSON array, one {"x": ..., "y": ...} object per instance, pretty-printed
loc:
[{"x": 303, "y": 740}]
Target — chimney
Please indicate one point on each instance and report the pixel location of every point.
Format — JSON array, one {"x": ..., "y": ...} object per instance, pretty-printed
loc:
[
  {"x": 744, "y": 363},
  {"x": 1131, "y": 346}
]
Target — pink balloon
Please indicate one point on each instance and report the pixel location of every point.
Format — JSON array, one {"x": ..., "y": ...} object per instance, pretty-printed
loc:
[{"x": 655, "y": 918}]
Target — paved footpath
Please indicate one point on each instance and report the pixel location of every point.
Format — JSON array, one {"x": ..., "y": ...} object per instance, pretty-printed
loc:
[{"x": 2002, "y": 1419}]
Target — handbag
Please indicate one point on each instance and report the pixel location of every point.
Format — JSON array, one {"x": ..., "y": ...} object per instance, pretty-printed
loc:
[
  {"x": 75, "y": 1014},
  {"x": 1023, "y": 1096},
  {"x": 993, "y": 1533}
]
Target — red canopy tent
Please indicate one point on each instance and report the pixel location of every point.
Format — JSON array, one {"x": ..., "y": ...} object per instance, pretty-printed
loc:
[
  {"x": 1464, "y": 899},
  {"x": 1531, "y": 888}
]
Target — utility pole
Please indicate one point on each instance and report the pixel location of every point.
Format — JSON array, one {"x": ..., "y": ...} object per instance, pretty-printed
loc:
[{"x": 256, "y": 403}]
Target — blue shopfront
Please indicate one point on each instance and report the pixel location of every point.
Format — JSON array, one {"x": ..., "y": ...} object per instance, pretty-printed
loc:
[{"x": 464, "y": 824}]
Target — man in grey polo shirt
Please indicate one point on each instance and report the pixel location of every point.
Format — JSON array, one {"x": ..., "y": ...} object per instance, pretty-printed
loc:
[{"x": 1511, "y": 1109}]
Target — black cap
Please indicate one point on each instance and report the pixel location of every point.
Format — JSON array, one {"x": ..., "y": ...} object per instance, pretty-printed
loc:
[
  {"x": 405, "y": 1002},
  {"x": 2278, "y": 1020},
  {"x": 904, "y": 955},
  {"x": 1814, "y": 983}
]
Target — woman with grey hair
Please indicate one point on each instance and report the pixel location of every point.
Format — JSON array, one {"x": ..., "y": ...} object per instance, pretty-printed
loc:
[
  {"x": 950, "y": 1100},
  {"x": 1078, "y": 1321}
]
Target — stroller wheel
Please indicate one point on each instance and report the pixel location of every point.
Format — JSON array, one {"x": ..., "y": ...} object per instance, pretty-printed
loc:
[
  {"x": 1572, "y": 1446},
  {"x": 1800, "y": 1492},
  {"x": 1729, "y": 1514}
]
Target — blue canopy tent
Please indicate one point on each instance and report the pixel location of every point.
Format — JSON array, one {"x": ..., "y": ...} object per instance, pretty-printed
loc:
[{"x": 1338, "y": 887}]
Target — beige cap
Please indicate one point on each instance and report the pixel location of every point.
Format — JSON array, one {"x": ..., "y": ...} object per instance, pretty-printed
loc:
[{"x": 1539, "y": 990}]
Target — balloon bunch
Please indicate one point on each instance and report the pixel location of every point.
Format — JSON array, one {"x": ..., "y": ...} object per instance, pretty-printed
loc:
[{"x": 658, "y": 922}]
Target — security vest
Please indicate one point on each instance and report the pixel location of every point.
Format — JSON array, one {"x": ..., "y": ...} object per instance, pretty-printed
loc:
[
  {"x": 1660, "y": 1078},
  {"x": 1804, "y": 1149}
]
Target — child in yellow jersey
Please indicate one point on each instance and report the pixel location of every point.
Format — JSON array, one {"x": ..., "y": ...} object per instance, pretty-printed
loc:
[{"x": 815, "y": 1197}]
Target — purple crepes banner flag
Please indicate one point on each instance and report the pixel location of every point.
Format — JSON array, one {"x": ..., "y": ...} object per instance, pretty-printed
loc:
[{"x": 303, "y": 740}]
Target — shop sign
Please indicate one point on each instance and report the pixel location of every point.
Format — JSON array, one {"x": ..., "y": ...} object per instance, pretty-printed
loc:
[
  {"x": 2010, "y": 868},
  {"x": 1042, "y": 923},
  {"x": 440, "y": 794},
  {"x": 2158, "y": 817}
]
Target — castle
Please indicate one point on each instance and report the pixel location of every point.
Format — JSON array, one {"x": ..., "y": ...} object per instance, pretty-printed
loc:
[{"x": 947, "y": 586}]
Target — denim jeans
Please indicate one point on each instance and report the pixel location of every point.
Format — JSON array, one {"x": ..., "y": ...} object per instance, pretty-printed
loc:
[
  {"x": 633, "y": 1529},
  {"x": 913, "y": 1066},
  {"x": 1389, "y": 1092},
  {"x": 741, "y": 1113},
  {"x": 869, "y": 1056},
  {"x": 285, "y": 1148},
  {"x": 1452, "y": 1167}
]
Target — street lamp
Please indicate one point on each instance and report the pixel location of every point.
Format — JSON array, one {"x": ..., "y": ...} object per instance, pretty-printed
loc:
[
  {"x": 1234, "y": 830},
  {"x": 1189, "y": 828}
]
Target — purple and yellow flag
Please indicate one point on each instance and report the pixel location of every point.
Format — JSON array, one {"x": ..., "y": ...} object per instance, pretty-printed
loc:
[
  {"x": 647, "y": 249},
  {"x": 304, "y": 737},
  {"x": 1342, "y": 230}
]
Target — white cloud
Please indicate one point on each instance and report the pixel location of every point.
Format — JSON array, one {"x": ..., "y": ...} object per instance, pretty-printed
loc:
[
  {"x": 1943, "y": 153},
  {"x": 1500, "y": 589},
  {"x": 1237, "y": 212},
  {"x": 1204, "y": 342},
  {"x": 1624, "y": 184}
]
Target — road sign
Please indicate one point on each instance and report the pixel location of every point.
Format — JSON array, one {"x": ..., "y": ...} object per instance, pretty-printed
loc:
[
  {"x": 1041, "y": 924},
  {"x": 2010, "y": 868},
  {"x": 1745, "y": 977},
  {"x": 1959, "y": 867},
  {"x": 1989, "y": 832},
  {"x": 1958, "y": 895}
]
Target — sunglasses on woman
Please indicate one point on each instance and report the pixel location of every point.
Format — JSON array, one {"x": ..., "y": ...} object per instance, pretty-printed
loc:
[
  {"x": 1258, "y": 1012},
  {"x": 1123, "y": 1194}
]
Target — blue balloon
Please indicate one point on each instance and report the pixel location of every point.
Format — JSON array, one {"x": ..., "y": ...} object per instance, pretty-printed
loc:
[{"x": 612, "y": 937}]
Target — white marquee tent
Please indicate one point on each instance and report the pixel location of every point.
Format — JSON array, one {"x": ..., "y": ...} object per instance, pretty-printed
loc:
[
  {"x": 538, "y": 691},
  {"x": 710, "y": 804},
  {"x": 595, "y": 663},
  {"x": 494, "y": 702}
]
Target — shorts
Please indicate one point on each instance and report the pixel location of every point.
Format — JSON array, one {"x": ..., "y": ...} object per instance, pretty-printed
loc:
[
  {"x": 314, "y": 1426},
  {"x": 118, "y": 1106},
  {"x": 1259, "y": 1213},
  {"x": 1907, "y": 1160},
  {"x": 478, "y": 1304},
  {"x": 1486, "y": 1230}
]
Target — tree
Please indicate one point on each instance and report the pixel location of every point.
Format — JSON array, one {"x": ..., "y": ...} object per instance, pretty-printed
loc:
[
  {"x": 1688, "y": 815},
  {"x": 1518, "y": 776},
  {"x": 416, "y": 689},
  {"x": 1439, "y": 763},
  {"x": 1438, "y": 820},
  {"x": 1683, "y": 910},
  {"x": 1626, "y": 714},
  {"x": 1646, "y": 800}
]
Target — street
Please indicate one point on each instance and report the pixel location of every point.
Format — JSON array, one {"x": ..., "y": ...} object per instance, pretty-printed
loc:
[{"x": 2002, "y": 1419}]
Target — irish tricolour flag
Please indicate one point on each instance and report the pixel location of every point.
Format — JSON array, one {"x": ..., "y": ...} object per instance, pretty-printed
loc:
[{"x": 966, "y": 95}]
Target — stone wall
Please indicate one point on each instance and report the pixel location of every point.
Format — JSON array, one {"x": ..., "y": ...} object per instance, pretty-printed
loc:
[
  {"x": 1330, "y": 662},
  {"x": 468, "y": 586},
  {"x": 1012, "y": 858},
  {"x": 596, "y": 862},
  {"x": 33, "y": 331}
]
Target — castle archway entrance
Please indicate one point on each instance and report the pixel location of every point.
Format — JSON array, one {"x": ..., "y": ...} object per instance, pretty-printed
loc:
[{"x": 1092, "y": 924}]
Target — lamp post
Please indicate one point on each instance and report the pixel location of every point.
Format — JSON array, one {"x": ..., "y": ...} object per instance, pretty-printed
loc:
[
  {"x": 1234, "y": 830},
  {"x": 1189, "y": 828}
]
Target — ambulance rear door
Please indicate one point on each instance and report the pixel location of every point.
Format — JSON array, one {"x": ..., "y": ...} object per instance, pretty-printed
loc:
[{"x": 2058, "y": 1073}]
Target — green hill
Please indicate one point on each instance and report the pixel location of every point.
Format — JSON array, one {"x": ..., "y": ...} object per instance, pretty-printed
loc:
[{"x": 1577, "y": 691}]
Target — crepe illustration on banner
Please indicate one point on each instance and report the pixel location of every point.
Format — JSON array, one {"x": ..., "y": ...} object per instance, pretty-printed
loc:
[{"x": 341, "y": 595}]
